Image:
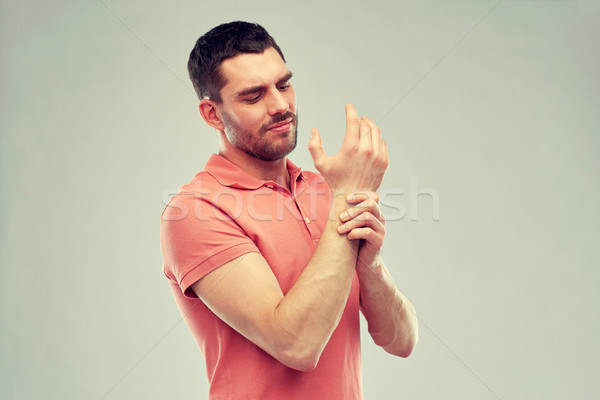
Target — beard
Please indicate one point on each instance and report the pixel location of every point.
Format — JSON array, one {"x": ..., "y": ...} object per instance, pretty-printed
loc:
[{"x": 263, "y": 145}]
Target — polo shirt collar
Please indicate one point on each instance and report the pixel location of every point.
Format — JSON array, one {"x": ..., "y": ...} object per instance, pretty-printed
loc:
[{"x": 229, "y": 174}]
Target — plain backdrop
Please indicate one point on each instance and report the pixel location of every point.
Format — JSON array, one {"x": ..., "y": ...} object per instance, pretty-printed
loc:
[{"x": 491, "y": 113}]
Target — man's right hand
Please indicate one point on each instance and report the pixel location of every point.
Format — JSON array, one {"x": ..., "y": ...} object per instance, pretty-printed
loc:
[{"x": 361, "y": 162}]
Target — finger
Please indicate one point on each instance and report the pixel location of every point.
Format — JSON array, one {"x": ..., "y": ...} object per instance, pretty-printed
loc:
[
  {"x": 315, "y": 147},
  {"x": 365, "y": 132},
  {"x": 367, "y": 234},
  {"x": 358, "y": 197},
  {"x": 369, "y": 206},
  {"x": 375, "y": 134},
  {"x": 352, "y": 124},
  {"x": 384, "y": 151},
  {"x": 364, "y": 220}
]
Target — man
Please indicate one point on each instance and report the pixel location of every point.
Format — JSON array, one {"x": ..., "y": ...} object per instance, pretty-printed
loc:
[{"x": 270, "y": 264}]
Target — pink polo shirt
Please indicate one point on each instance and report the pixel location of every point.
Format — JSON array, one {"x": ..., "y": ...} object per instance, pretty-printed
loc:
[{"x": 224, "y": 213}]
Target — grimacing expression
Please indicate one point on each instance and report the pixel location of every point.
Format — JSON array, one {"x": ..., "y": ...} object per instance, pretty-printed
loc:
[
  {"x": 260, "y": 144},
  {"x": 258, "y": 107}
]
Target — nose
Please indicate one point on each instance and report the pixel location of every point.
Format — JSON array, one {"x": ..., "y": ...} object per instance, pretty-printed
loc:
[{"x": 278, "y": 104}]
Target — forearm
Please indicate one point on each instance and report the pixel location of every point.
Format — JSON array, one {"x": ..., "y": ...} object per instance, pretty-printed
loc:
[
  {"x": 391, "y": 317},
  {"x": 310, "y": 311}
]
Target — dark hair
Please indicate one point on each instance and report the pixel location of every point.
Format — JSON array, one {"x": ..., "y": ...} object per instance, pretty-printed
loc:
[{"x": 220, "y": 43}]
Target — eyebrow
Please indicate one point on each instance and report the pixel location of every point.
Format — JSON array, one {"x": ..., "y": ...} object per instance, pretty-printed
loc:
[{"x": 259, "y": 88}]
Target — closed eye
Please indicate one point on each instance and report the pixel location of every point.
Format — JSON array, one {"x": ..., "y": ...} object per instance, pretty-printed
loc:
[{"x": 253, "y": 99}]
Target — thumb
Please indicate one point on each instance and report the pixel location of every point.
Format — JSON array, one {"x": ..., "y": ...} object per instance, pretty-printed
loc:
[{"x": 315, "y": 147}]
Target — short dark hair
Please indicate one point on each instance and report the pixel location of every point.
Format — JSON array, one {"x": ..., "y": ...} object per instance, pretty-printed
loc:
[{"x": 220, "y": 43}]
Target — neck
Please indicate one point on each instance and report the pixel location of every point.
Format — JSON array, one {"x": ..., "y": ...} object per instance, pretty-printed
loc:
[{"x": 275, "y": 171}]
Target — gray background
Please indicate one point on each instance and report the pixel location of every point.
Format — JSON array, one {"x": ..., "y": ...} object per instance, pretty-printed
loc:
[{"x": 491, "y": 106}]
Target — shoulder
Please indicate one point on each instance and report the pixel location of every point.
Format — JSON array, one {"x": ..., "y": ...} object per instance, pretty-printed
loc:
[{"x": 189, "y": 194}]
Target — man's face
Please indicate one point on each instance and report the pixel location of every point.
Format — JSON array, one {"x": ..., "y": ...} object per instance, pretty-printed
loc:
[{"x": 259, "y": 105}]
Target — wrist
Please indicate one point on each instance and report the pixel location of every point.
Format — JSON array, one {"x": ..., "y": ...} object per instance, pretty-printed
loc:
[
  {"x": 339, "y": 204},
  {"x": 370, "y": 270}
]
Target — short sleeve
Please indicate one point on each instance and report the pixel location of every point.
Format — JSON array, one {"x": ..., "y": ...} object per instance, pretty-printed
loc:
[{"x": 197, "y": 237}]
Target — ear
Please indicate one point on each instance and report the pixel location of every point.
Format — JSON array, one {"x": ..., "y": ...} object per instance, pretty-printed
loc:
[{"x": 208, "y": 111}]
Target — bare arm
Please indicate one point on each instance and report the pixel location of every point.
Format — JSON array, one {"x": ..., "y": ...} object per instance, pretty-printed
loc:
[
  {"x": 391, "y": 317},
  {"x": 296, "y": 327}
]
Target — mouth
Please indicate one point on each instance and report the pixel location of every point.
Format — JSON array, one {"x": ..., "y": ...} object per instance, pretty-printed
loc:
[{"x": 281, "y": 127}]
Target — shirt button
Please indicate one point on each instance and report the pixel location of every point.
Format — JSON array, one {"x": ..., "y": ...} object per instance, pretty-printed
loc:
[{"x": 307, "y": 220}]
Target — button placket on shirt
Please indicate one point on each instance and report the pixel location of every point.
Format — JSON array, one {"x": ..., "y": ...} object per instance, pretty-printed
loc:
[
  {"x": 283, "y": 191},
  {"x": 307, "y": 221}
]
